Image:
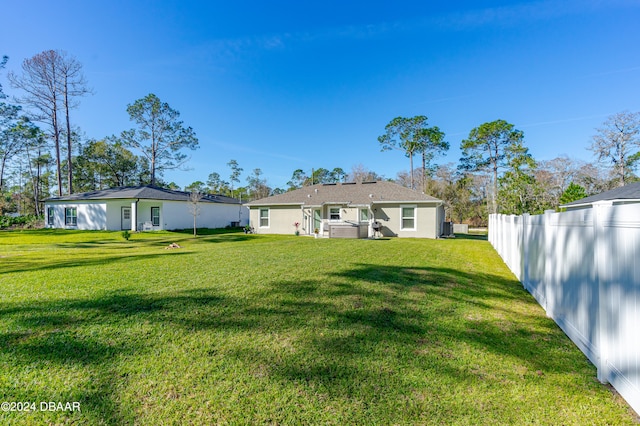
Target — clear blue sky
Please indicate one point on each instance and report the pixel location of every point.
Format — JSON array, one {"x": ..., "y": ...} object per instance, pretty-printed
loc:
[{"x": 282, "y": 85}]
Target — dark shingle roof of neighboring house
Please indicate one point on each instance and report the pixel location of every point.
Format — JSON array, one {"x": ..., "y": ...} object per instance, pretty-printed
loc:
[
  {"x": 364, "y": 193},
  {"x": 630, "y": 192},
  {"x": 143, "y": 193}
]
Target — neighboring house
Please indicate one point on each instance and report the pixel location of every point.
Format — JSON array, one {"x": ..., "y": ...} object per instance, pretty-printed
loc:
[
  {"x": 627, "y": 194},
  {"x": 141, "y": 208},
  {"x": 350, "y": 210}
]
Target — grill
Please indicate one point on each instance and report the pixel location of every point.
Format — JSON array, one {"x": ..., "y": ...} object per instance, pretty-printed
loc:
[{"x": 377, "y": 228}]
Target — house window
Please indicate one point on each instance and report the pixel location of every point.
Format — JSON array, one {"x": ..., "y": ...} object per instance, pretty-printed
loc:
[
  {"x": 334, "y": 213},
  {"x": 155, "y": 216},
  {"x": 264, "y": 218},
  {"x": 50, "y": 215},
  {"x": 317, "y": 220},
  {"x": 71, "y": 216},
  {"x": 364, "y": 215},
  {"x": 408, "y": 218}
]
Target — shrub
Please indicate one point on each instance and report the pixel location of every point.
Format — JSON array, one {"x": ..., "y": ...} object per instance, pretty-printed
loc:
[{"x": 28, "y": 221}]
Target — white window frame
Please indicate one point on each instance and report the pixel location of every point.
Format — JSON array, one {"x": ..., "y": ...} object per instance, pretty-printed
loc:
[
  {"x": 414, "y": 217},
  {"x": 366, "y": 211},
  {"x": 268, "y": 218},
  {"x": 339, "y": 214},
  {"x": 74, "y": 217},
  {"x": 152, "y": 217}
]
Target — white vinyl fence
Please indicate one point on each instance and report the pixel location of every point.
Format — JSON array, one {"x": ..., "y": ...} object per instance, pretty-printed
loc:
[{"x": 583, "y": 267}]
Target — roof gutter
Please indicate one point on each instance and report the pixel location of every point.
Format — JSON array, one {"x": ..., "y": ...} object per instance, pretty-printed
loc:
[
  {"x": 251, "y": 204},
  {"x": 590, "y": 204},
  {"x": 434, "y": 201}
]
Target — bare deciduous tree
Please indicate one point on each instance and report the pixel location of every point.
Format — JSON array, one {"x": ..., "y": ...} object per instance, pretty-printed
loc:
[
  {"x": 359, "y": 173},
  {"x": 51, "y": 80},
  {"x": 194, "y": 207},
  {"x": 73, "y": 85},
  {"x": 554, "y": 177},
  {"x": 258, "y": 185},
  {"x": 617, "y": 143}
]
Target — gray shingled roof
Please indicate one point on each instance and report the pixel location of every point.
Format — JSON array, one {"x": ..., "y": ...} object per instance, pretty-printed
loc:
[
  {"x": 144, "y": 193},
  {"x": 363, "y": 193},
  {"x": 627, "y": 192}
]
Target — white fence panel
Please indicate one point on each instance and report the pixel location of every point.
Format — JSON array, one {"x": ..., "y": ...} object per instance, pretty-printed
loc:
[
  {"x": 572, "y": 291},
  {"x": 583, "y": 267},
  {"x": 620, "y": 306},
  {"x": 535, "y": 261}
]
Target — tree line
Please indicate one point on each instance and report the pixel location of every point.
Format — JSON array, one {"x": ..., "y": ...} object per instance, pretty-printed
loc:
[
  {"x": 497, "y": 173},
  {"x": 43, "y": 153}
]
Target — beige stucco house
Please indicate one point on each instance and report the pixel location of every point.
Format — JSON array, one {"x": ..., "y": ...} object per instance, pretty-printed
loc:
[{"x": 349, "y": 210}]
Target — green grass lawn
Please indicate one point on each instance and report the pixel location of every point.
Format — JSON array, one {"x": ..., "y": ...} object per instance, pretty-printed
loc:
[{"x": 237, "y": 329}]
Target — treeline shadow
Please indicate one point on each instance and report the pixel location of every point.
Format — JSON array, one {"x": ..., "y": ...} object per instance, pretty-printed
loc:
[
  {"x": 339, "y": 325},
  {"x": 478, "y": 237},
  {"x": 17, "y": 264}
]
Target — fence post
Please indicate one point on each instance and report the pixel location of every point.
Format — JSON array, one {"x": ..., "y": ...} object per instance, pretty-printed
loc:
[
  {"x": 600, "y": 216},
  {"x": 512, "y": 243},
  {"x": 524, "y": 252}
]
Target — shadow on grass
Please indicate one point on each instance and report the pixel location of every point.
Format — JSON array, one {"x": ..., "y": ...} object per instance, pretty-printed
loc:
[
  {"x": 235, "y": 233},
  {"x": 33, "y": 263},
  {"x": 479, "y": 237},
  {"x": 210, "y": 231},
  {"x": 41, "y": 232},
  {"x": 353, "y": 332}
]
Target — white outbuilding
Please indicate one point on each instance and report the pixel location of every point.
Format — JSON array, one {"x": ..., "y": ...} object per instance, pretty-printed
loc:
[{"x": 141, "y": 208}]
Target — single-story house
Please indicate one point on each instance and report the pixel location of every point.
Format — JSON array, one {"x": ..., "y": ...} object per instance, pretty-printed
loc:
[
  {"x": 141, "y": 208},
  {"x": 627, "y": 194},
  {"x": 355, "y": 210}
]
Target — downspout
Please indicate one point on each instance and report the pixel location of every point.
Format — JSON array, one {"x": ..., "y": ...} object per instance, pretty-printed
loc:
[{"x": 372, "y": 218}]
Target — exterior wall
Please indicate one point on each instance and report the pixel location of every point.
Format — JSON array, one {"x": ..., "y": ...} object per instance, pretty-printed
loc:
[
  {"x": 440, "y": 217},
  {"x": 176, "y": 215},
  {"x": 143, "y": 215},
  {"x": 107, "y": 214},
  {"x": 428, "y": 220},
  {"x": 347, "y": 214},
  {"x": 91, "y": 215},
  {"x": 581, "y": 266},
  {"x": 114, "y": 214},
  {"x": 281, "y": 219}
]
